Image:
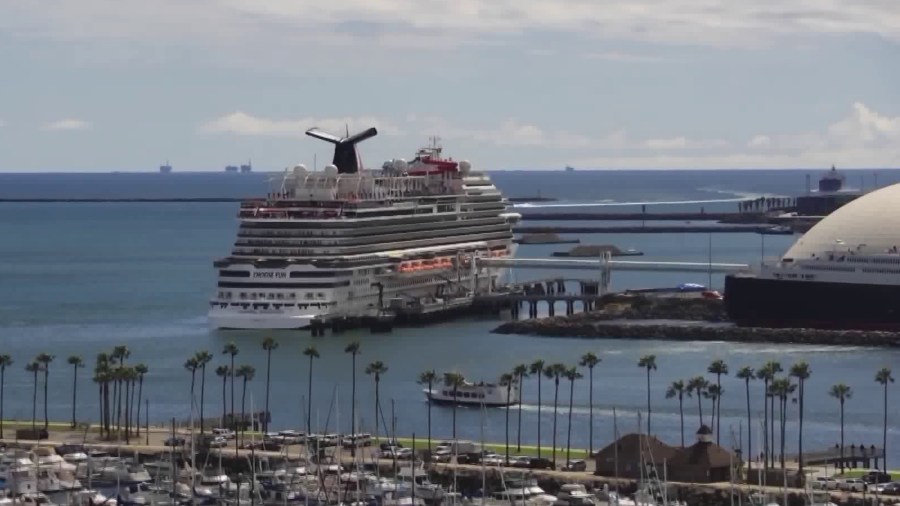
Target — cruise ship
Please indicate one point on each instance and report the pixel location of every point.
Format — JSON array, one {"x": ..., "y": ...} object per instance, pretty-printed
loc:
[
  {"x": 347, "y": 241},
  {"x": 843, "y": 273}
]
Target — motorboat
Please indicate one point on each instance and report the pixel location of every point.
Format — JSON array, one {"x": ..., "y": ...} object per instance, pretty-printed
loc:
[
  {"x": 423, "y": 487},
  {"x": 574, "y": 494},
  {"x": 46, "y": 456},
  {"x": 119, "y": 471},
  {"x": 88, "y": 497}
]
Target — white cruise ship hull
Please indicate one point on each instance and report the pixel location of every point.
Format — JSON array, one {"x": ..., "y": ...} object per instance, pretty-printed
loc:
[{"x": 249, "y": 320}]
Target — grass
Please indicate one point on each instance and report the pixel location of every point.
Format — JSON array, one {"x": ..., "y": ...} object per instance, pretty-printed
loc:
[{"x": 859, "y": 473}]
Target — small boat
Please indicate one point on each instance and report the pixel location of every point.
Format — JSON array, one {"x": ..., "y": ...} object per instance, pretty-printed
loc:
[{"x": 473, "y": 394}]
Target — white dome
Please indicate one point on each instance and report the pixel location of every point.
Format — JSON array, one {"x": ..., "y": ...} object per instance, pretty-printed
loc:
[{"x": 869, "y": 224}]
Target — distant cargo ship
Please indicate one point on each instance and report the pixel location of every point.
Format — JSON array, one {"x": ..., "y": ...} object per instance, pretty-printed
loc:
[
  {"x": 843, "y": 273},
  {"x": 243, "y": 169},
  {"x": 165, "y": 168}
]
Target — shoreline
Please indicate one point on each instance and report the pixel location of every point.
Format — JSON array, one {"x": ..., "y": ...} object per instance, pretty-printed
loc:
[{"x": 692, "y": 330}]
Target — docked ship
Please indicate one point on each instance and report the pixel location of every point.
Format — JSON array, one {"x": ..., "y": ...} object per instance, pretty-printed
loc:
[
  {"x": 843, "y": 273},
  {"x": 348, "y": 241},
  {"x": 473, "y": 394}
]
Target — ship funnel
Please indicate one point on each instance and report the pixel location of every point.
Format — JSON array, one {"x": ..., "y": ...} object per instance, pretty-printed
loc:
[{"x": 346, "y": 157}]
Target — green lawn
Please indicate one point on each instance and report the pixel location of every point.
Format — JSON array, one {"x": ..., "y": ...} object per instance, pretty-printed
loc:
[{"x": 858, "y": 473}]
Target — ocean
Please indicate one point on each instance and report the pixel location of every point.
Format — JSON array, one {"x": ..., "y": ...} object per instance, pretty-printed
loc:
[{"x": 80, "y": 278}]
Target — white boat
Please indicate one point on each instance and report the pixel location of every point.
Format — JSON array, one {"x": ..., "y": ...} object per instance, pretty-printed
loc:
[
  {"x": 87, "y": 497},
  {"x": 348, "y": 241},
  {"x": 119, "y": 471},
  {"x": 46, "y": 457},
  {"x": 424, "y": 488},
  {"x": 574, "y": 494},
  {"x": 476, "y": 394}
]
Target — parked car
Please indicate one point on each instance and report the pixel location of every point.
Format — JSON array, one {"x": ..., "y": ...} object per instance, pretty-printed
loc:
[
  {"x": 441, "y": 455},
  {"x": 520, "y": 461},
  {"x": 853, "y": 485},
  {"x": 825, "y": 483},
  {"x": 175, "y": 441},
  {"x": 404, "y": 454},
  {"x": 875, "y": 477},
  {"x": 225, "y": 433},
  {"x": 218, "y": 442},
  {"x": 540, "y": 463},
  {"x": 356, "y": 440},
  {"x": 892, "y": 488},
  {"x": 575, "y": 465}
]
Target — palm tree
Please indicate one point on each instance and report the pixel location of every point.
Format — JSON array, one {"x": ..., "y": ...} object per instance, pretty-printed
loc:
[
  {"x": 782, "y": 388},
  {"x": 128, "y": 379},
  {"x": 883, "y": 377},
  {"x": 454, "y": 380},
  {"x": 718, "y": 367},
  {"x": 5, "y": 361},
  {"x": 192, "y": 365},
  {"x": 714, "y": 394},
  {"x": 747, "y": 374},
  {"x": 141, "y": 370},
  {"x": 571, "y": 374},
  {"x": 767, "y": 374},
  {"x": 119, "y": 354},
  {"x": 428, "y": 378},
  {"x": 312, "y": 353},
  {"x": 841, "y": 392},
  {"x": 376, "y": 369},
  {"x": 537, "y": 369},
  {"x": 554, "y": 372},
  {"x": 223, "y": 371},
  {"x": 76, "y": 362},
  {"x": 44, "y": 359},
  {"x": 34, "y": 368},
  {"x": 520, "y": 372},
  {"x": 801, "y": 371},
  {"x": 353, "y": 350},
  {"x": 648, "y": 362},
  {"x": 268, "y": 345},
  {"x": 590, "y": 361},
  {"x": 231, "y": 350},
  {"x": 506, "y": 380},
  {"x": 203, "y": 357},
  {"x": 677, "y": 389},
  {"x": 102, "y": 376},
  {"x": 697, "y": 385},
  {"x": 246, "y": 372}
]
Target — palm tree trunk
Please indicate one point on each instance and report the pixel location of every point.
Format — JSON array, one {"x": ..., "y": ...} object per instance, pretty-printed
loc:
[
  {"x": 74, "y": 392},
  {"x": 2, "y": 385},
  {"x": 842, "y": 435},
  {"x": 231, "y": 373},
  {"x": 46, "y": 378},
  {"x": 225, "y": 400},
  {"x": 519, "y": 429},
  {"x": 243, "y": 415},
  {"x": 539, "y": 417},
  {"x": 119, "y": 404},
  {"x": 377, "y": 404},
  {"x": 681, "y": 415},
  {"x": 765, "y": 425},
  {"x": 749, "y": 451},
  {"x": 309, "y": 398},
  {"x": 353, "y": 401},
  {"x": 455, "y": 389},
  {"x": 800, "y": 431},
  {"x": 203, "y": 395},
  {"x": 883, "y": 434},
  {"x": 700, "y": 406},
  {"x": 783, "y": 424},
  {"x": 591, "y": 413},
  {"x": 569, "y": 431},
  {"x": 555, "y": 404},
  {"x": 127, "y": 400},
  {"x": 191, "y": 404},
  {"x": 34, "y": 404},
  {"x": 717, "y": 408},
  {"x": 508, "y": 390},
  {"x": 100, "y": 385},
  {"x": 140, "y": 394},
  {"x": 429, "y": 418},
  {"x": 648, "y": 401},
  {"x": 772, "y": 428},
  {"x": 268, "y": 380}
]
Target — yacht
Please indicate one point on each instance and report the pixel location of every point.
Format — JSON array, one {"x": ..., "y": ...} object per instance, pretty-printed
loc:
[
  {"x": 351, "y": 242},
  {"x": 122, "y": 472},
  {"x": 574, "y": 494},
  {"x": 46, "y": 456},
  {"x": 469, "y": 393},
  {"x": 424, "y": 488}
]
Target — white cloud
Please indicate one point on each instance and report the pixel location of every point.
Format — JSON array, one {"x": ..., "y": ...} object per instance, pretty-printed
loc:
[
  {"x": 68, "y": 124},
  {"x": 241, "y": 123},
  {"x": 864, "y": 138},
  {"x": 237, "y": 23}
]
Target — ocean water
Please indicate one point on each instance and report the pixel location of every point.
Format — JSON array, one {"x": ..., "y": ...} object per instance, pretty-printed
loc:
[{"x": 82, "y": 278}]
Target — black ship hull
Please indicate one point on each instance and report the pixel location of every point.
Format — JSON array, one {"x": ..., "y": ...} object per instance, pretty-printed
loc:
[{"x": 751, "y": 301}]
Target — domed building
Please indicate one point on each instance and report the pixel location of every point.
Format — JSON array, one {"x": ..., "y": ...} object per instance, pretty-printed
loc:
[{"x": 843, "y": 273}]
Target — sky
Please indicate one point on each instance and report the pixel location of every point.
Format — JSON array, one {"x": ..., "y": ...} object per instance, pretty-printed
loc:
[{"x": 101, "y": 85}]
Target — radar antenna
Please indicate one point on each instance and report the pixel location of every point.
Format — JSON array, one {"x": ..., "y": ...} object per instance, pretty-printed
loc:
[{"x": 346, "y": 157}]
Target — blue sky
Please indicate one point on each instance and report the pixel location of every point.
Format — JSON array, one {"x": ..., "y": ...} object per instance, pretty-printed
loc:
[{"x": 124, "y": 85}]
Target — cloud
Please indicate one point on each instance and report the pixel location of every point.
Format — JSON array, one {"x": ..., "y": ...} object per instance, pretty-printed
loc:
[
  {"x": 864, "y": 138},
  {"x": 275, "y": 23},
  {"x": 241, "y": 123},
  {"x": 68, "y": 124},
  {"x": 620, "y": 57}
]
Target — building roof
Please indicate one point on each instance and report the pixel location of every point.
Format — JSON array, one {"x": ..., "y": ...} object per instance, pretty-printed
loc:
[
  {"x": 872, "y": 221},
  {"x": 630, "y": 447},
  {"x": 706, "y": 455}
]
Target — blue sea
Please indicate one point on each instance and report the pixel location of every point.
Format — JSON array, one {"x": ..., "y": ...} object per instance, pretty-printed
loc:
[{"x": 80, "y": 278}]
